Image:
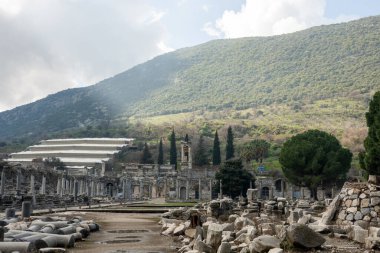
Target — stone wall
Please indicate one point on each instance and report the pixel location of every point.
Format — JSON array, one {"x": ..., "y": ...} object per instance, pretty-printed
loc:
[{"x": 359, "y": 205}]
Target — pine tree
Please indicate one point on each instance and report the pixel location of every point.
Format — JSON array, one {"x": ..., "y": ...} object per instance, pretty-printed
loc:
[
  {"x": 146, "y": 156},
  {"x": 187, "y": 138},
  {"x": 200, "y": 156},
  {"x": 160, "y": 158},
  {"x": 230, "y": 144},
  {"x": 216, "y": 159},
  {"x": 369, "y": 160},
  {"x": 173, "y": 150}
]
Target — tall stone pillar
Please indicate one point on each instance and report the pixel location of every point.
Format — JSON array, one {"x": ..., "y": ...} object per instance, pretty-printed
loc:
[
  {"x": 124, "y": 189},
  {"x": 199, "y": 189},
  {"x": 210, "y": 189},
  {"x": 32, "y": 185},
  {"x": 59, "y": 186},
  {"x": 43, "y": 186},
  {"x": 92, "y": 188},
  {"x": 177, "y": 189},
  {"x": 187, "y": 189},
  {"x": 129, "y": 189},
  {"x": 141, "y": 190},
  {"x": 282, "y": 188},
  {"x": 76, "y": 189},
  {"x": 18, "y": 181},
  {"x": 2, "y": 182}
]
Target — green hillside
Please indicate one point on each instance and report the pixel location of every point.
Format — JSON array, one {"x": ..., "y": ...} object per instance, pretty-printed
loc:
[{"x": 306, "y": 69}]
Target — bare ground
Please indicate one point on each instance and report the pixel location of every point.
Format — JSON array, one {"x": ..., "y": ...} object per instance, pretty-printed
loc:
[{"x": 125, "y": 233}]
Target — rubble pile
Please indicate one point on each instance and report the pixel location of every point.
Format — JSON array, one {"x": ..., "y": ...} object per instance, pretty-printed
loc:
[
  {"x": 42, "y": 234},
  {"x": 278, "y": 225}
]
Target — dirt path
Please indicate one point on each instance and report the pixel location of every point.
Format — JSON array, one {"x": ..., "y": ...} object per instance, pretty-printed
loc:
[{"x": 125, "y": 233}]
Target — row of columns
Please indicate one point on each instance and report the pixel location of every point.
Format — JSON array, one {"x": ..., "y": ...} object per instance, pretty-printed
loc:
[
  {"x": 77, "y": 187},
  {"x": 18, "y": 184}
]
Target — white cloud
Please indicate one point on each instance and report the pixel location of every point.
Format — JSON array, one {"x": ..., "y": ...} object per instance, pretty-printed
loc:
[
  {"x": 163, "y": 47},
  {"x": 50, "y": 45},
  {"x": 210, "y": 30},
  {"x": 271, "y": 17}
]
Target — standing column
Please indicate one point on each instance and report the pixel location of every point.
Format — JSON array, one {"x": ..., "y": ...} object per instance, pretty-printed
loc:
[
  {"x": 141, "y": 188},
  {"x": 124, "y": 189},
  {"x": 102, "y": 189},
  {"x": 76, "y": 190},
  {"x": 43, "y": 186},
  {"x": 176, "y": 189},
  {"x": 2, "y": 187},
  {"x": 200, "y": 189},
  {"x": 92, "y": 188},
  {"x": 18, "y": 182},
  {"x": 282, "y": 188},
  {"x": 32, "y": 185},
  {"x": 187, "y": 189},
  {"x": 63, "y": 189},
  {"x": 59, "y": 186},
  {"x": 210, "y": 189}
]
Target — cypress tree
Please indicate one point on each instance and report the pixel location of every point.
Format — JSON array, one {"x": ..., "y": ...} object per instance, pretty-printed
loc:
[
  {"x": 173, "y": 150},
  {"x": 369, "y": 160},
  {"x": 160, "y": 158},
  {"x": 187, "y": 138},
  {"x": 146, "y": 156},
  {"x": 200, "y": 156},
  {"x": 216, "y": 159},
  {"x": 230, "y": 144}
]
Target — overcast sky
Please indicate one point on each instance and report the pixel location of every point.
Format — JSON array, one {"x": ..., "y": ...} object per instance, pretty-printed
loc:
[{"x": 51, "y": 45}]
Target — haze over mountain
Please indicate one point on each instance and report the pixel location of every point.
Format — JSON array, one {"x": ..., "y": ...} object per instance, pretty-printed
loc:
[{"x": 341, "y": 60}]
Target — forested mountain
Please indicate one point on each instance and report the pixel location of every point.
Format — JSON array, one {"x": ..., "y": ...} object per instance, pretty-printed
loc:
[{"x": 332, "y": 61}]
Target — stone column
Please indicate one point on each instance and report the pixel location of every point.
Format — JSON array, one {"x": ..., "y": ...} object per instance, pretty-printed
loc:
[
  {"x": 32, "y": 185},
  {"x": 282, "y": 188},
  {"x": 291, "y": 192},
  {"x": 124, "y": 189},
  {"x": 18, "y": 181},
  {"x": 2, "y": 187},
  {"x": 302, "y": 193},
  {"x": 43, "y": 185},
  {"x": 93, "y": 189},
  {"x": 210, "y": 186},
  {"x": 177, "y": 189},
  {"x": 260, "y": 186},
  {"x": 187, "y": 189},
  {"x": 59, "y": 186},
  {"x": 129, "y": 189},
  {"x": 200, "y": 189},
  {"x": 141, "y": 193},
  {"x": 76, "y": 189},
  {"x": 271, "y": 192}
]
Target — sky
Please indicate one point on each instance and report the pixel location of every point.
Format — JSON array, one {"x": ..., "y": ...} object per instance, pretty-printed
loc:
[{"x": 50, "y": 45}]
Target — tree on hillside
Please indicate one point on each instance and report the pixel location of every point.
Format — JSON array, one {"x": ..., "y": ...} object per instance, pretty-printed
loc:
[
  {"x": 200, "y": 155},
  {"x": 234, "y": 178},
  {"x": 173, "y": 150},
  {"x": 255, "y": 150},
  {"x": 230, "y": 144},
  {"x": 370, "y": 159},
  {"x": 160, "y": 157},
  {"x": 313, "y": 158},
  {"x": 146, "y": 156},
  {"x": 216, "y": 158}
]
